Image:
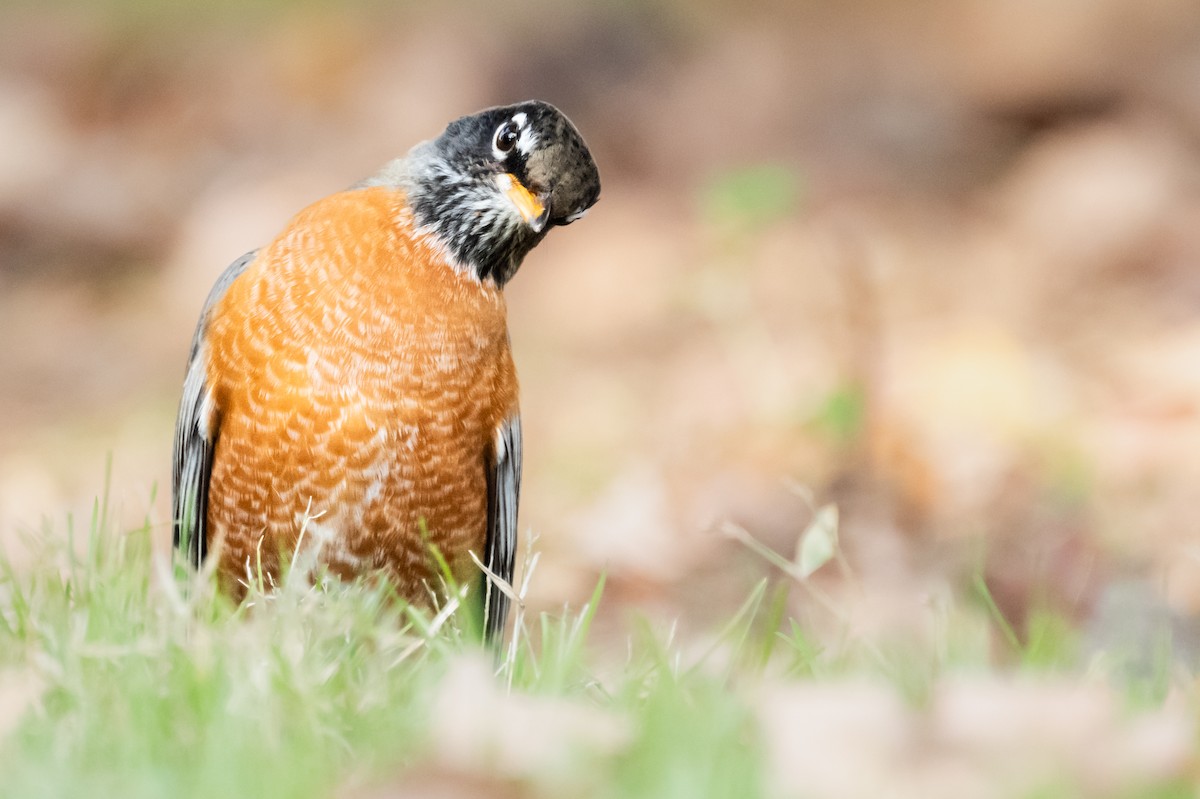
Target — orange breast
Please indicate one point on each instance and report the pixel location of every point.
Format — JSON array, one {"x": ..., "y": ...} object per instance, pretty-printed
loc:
[{"x": 360, "y": 378}]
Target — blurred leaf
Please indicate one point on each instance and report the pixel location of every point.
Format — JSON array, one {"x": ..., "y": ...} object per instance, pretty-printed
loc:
[
  {"x": 1052, "y": 643},
  {"x": 804, "y": 652},
  {"x": 751, "y": 196},
  {"x": 843, "y": 414},
  {"x": 818, "y": 544},
  {"x": 985, "y": 594},
  {"x": 737, "y": 533}
]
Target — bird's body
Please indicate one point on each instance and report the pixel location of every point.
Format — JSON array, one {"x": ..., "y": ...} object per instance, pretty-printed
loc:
[
  {"x": 393, "y": 380},
  {"x": 353, "y": 378}
]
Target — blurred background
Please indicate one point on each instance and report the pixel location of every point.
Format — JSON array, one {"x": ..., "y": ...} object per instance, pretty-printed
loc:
[{"x": 933, "y": 261}]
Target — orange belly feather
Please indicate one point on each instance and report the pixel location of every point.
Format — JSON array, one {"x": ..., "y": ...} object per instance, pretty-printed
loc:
[{"x": 359, "y": 379}]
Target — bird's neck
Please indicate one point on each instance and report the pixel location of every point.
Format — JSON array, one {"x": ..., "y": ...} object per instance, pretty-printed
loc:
[
  {"x": 465, "y": 216},
  {"x": 462, "y": 214}
]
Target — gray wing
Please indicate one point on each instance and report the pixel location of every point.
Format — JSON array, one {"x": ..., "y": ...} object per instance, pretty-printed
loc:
[
  {"x": 196, "y": 434},
  {"x": 504, "y": 491}
]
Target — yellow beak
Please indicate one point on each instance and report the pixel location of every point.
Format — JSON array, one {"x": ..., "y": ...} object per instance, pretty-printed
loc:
[{"x": 530, "y": 208}]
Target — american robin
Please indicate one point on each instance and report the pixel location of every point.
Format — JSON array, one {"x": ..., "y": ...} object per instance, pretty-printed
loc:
[{"x": 354, "y": 376}]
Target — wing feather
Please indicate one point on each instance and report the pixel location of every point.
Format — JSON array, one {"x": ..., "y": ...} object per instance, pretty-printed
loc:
[
  {"x": 504, "y": 491},
  {"x": 196, "y": 434}
]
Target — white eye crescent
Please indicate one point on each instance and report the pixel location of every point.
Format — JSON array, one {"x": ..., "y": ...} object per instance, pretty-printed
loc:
[{"x": 514, "y": 132}]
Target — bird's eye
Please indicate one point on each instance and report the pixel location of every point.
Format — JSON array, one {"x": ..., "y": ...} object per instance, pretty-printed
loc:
[{"x": 506, "y": 137}]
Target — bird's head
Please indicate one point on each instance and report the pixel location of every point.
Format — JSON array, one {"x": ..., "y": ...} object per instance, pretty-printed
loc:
[{"x": 494, "y": 183}]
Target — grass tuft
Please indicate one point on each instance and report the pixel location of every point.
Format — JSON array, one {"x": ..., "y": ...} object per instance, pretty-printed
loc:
[{"x": 120, "y": 676}]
